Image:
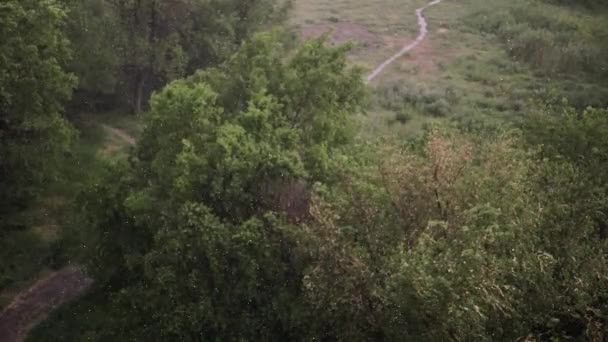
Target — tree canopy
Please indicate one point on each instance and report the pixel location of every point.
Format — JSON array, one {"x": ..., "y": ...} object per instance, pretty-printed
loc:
[
  {"x": 33, "y": 89},
  {"x": 250, "y": 211},
  {"x": 128, "y": 49},
  {"x": 223, "y": 169},
  {"x": 251, "y": 206}
]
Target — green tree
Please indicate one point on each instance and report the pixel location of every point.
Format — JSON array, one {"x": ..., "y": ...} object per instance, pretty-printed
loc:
[
  {"x": 579, "y": 139},
  {"x": 93, "y": 31},
  {"x": 197, "y": 231},
  {"x": 135, "y": 47},
  {"x": 33, "y": 88},
  {"x": 457, "y": 237}
]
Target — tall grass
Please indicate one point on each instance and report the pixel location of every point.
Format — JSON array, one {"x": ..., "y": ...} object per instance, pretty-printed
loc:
[
  {"x": 403, "y": 95},
  {"x": 550, "y": 38}
]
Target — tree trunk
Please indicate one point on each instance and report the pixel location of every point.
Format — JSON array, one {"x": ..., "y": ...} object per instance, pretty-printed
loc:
[{"x": 138, "y": 97}]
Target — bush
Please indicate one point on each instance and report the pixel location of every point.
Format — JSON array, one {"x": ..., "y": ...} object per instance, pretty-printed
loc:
[
  {"x": 439, "y": 108},
  {"x": 402, "y": 117},
  {"x": 432, "y": 242},
  {"x": 547, "y": 38}
]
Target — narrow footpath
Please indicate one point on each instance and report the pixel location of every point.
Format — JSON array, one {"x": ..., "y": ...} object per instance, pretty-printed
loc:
[
  {"x": 422, "y": 33},
  {"x": 34, "y": 304}
]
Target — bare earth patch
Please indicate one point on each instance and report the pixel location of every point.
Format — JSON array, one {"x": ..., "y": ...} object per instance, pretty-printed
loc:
[{"x": 33, "y": 305}]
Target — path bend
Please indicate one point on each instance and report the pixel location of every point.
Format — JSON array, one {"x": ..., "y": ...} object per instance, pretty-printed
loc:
[
  {"x": 422, "y": 33},
  {"x": 35, "y": 303},
  {"x": 120, "y": 133}
]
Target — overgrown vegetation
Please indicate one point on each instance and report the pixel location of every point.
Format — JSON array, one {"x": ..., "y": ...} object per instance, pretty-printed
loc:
[
  {"x": 128, "y": 49},
  {"x": 33, "y": 87},
  {"x": 478, "y": 74},
  {"x": 51, "y": 48},
  {"x": 248, "y": 205},
  {"x": 551, "y": 40}
]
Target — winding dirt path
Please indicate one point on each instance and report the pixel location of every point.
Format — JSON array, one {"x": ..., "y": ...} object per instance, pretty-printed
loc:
[
  {"x": 34, "y": 304},
  {"x": 423, "y": 32},
  {"x": 119, "y": 133}
]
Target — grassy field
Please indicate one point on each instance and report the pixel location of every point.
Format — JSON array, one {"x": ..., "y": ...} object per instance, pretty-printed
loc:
[
  {"x": 378, "y": 27},
  {"x": 475, "y": 65}
]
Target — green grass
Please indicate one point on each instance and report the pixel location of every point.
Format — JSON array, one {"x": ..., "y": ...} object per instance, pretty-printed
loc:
[
  {"x": 77, "y": 321},
  {"x": 28, "y": 253},
  {"x": 380, "y": 16},
  {"x": 23, "y": 256},
  {"x": 553, "y": 39},
  {"x": 388, "y": 20},
  {"x": 483, "y": 61}
]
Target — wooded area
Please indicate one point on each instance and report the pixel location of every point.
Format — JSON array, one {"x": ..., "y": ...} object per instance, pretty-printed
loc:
[{"x": 252, "y": 206}]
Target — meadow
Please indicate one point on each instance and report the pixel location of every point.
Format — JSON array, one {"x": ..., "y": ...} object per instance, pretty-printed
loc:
[{"x": 483, "y": 61}]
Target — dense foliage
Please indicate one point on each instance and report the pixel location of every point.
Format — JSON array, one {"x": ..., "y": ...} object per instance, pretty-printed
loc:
[
  {"x": 251, "y": 219},
  {"x": 549, "y": 40},
  {"x": 593, "y": 4},
  {"x": 250, "y": 207},
  {"x": 127, "y": 49},
  {"x": 221, "y": 173},
  {"x": 33, "y": 89}
]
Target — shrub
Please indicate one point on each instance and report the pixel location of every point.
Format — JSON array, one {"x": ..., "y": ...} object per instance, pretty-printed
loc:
[
  {"x": 449, "y": 242},
  {"x": 547, "y": 38},
  {"x": 402, "y": 117},
  {"x": 438, "y": 108}
]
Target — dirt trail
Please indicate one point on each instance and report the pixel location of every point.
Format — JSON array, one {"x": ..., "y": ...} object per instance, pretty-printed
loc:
[
  {"x": 119, "y": 133},
  {"x": 34, "y": 304},
  {"x": 423, "y": 32}
]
